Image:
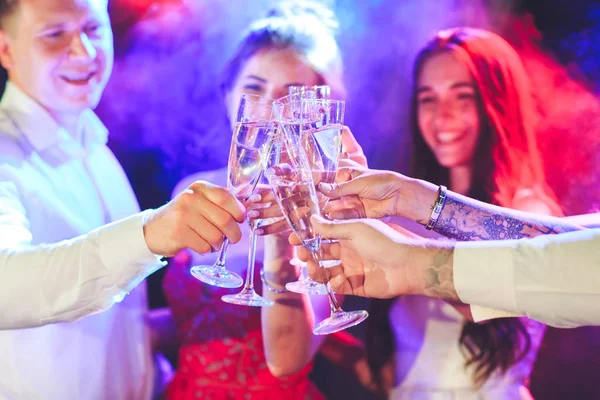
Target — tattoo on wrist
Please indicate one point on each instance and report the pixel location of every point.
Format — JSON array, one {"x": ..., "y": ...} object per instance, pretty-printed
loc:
[
  {"x": 439, "y": 275},
  {"x": 465, "y": 222}
]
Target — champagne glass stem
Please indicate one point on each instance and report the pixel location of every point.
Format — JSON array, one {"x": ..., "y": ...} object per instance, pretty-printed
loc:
[
  {"x": 303, "y": 277},
  {"x": 222, "y": 254},
  {"x": 317, "y": 254},
  {"x": 248, "y": 297},
  {"x": 249, "y": 285}
]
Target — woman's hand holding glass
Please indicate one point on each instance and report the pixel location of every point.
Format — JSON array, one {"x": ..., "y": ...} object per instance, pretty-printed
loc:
[{"x": 364, "y": 193}]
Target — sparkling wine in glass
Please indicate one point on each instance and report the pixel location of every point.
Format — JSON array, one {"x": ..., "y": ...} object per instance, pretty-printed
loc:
[
  {"x": 253, "y": 127},
  {"x": 321, "y": 138},
  {"x": 290, "y": 177},
  {"x": 322, "y": 92},
  {"x": 317, "y": 125},
  {"x": 249, "y": 147}
]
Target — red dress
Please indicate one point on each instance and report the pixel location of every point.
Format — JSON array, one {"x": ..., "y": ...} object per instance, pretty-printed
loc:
[{"x": 221, "y": 354}]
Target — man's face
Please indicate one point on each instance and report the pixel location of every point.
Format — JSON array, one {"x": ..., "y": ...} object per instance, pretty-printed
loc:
[{"x": 59, "y": 52}]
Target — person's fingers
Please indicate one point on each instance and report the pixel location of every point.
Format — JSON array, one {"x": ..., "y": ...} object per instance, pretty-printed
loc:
[
  {"x": 272, "y": 211},
  {"x": 359, "y": 158},
  {"x": 348, "y": 163},
  {"x": 268, "y": 197},
  {"x": 340, "y": 283},
  {"x": 206, "y": 230},
  {"x": 262, "y": 194},
  {"x": 345, "y": 183},
  {"x": 340, "y": 204},
  {"x": 219, "y": 218},
  {"x": 333, "y": 274},
  {"x": 314, "y": 271},
  {"x": 349, "y": 172},
  {"x": 349, "y": 142},
  {"x": 294, "y": 240},
  {"x": 330, "y": 251},
  {"x": 352, "y": 148},
  {"x": 345, "y": 213},
  {"x": 335, "y": 190},
  {"x": 353, "y": 160},
  {"x": 254, "y": 198},
  {"x": 207, "y": 220},
  {"x": 194, "y": 242},
  {"x": 221, "y": 197},
  {"x": 279, "y": 227},
  {"x": 331, "y": 229},
  {"x": 345, "y": 208},
  {"x": 303, "y": 254}
]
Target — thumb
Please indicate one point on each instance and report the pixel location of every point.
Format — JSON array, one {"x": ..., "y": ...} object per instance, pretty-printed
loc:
[
  {"x": 330, "y": 229},
  {"x": 349, "y": 142}
]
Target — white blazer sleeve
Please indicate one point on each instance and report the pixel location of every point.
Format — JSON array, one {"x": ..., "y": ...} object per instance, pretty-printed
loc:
[
  {"x": 68, "y": 280},
  {"x": 554, "y": 279}
]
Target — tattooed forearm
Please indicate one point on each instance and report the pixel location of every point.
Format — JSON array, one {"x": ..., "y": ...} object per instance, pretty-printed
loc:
[
  {"x": 439, "y": 275},
  {"x": 466, "y": 220}
]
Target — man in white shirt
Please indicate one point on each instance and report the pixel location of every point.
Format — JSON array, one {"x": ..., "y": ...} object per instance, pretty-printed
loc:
[
  {"x": 545, "y": 268},
  {"x": 71, "y": 243}
]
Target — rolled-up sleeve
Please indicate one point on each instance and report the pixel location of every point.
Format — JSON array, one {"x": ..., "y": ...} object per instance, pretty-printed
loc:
[{"x": 554, "y": 279}]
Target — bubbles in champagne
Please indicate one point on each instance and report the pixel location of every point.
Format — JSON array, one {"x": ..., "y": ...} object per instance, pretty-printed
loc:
[
  {"x": 298, "y": 202},
  {"x": 248, "y": 147},
  {"x": 323, "y": 146}
]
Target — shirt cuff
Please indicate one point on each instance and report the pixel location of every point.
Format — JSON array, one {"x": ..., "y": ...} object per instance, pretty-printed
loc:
[
  {"x": 480, "y": 313},
  {"x": 123, "y": 250},
  {"x": 484, "y": 276}
]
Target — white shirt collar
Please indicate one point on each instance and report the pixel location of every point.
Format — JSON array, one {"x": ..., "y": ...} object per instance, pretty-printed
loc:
[{"x": 40, "y": 129}]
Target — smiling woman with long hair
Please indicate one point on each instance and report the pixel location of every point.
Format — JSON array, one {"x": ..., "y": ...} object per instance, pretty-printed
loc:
[{"x": 473, "y": 131}]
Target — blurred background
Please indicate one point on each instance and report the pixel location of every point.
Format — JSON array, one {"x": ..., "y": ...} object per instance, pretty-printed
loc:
[{"x": 166, "y": 118}]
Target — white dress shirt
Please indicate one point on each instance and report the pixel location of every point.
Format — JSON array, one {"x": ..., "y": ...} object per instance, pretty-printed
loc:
[
  {"x": 554, "y": 279},
  {"x": 56, "y": 264}
]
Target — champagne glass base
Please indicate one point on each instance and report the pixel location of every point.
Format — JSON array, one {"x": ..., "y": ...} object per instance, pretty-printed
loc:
[
  {"x": 247, "y": 297},
  {"x": 306, "y": 286},
  {"x": 217, "y": 276},
  {"x": 340, "y": 320}
]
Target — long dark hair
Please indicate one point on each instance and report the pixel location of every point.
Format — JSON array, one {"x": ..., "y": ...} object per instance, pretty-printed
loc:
[{"x": 506, "y": 159}]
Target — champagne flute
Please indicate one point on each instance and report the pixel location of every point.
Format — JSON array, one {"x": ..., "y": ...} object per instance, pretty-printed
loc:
[
  {"x": 248, "y": 150},
  {"x": 321, "y": 139},
  {"x": 322, "y": 92},
  {"x": 253, "y": 127},
  {"x": 291, "y": 178}
]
